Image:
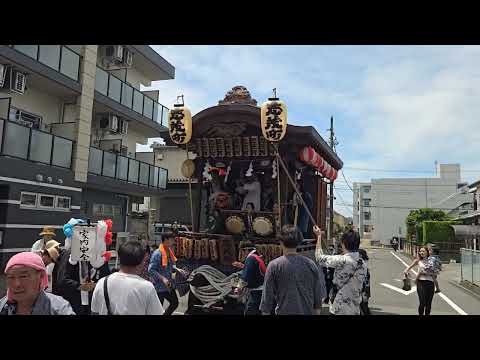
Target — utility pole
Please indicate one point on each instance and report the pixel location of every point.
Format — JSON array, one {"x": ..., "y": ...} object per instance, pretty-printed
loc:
[{"x": 332, "y": 145}]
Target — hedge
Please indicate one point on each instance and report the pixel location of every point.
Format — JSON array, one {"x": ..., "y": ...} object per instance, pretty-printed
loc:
[{"x": 436, "y": 232}]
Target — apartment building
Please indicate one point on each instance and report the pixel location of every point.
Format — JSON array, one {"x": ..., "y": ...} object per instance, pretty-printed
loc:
[
  {"x": 382, "y": 205},
  {"x": 71, "y": 117}
]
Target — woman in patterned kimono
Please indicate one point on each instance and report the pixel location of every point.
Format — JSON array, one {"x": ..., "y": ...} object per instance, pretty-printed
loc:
[{"x": 350, "y": 274}]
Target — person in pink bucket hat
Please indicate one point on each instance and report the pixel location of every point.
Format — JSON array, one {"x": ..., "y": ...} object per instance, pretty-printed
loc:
[{"x": 26, "y": 282}]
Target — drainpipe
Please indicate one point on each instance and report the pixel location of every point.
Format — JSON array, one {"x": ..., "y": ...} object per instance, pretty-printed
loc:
[{"x": 126, "y": 212}]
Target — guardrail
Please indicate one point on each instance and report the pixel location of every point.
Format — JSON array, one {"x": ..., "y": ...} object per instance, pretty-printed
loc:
[{"x": 470, "y": 267}]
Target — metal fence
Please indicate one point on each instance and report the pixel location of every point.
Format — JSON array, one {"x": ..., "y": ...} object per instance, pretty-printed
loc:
[{"x": 470, "y": 266}]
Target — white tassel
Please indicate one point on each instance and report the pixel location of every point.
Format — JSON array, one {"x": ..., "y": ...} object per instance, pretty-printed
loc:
[
  {"x": 274, "y": 170},
  {"x": 228, "y": 172},
  {"x": 250, "y": 170},
  {"x": 205, "y": 173}
]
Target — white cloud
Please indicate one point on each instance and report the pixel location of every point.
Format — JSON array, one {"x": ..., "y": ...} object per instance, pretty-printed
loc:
[{"x": 395, "y": 107}]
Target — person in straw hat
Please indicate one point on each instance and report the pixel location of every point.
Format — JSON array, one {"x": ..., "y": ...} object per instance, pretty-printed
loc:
[
  {"x": 51, "y": 256},
  {"x": 47, "y": 234}
]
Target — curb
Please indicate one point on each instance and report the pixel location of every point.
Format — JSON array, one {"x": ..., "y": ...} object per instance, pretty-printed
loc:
[{"x": 475, "y": 293}]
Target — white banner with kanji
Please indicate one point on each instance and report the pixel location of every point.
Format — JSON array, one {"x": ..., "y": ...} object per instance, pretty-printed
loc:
[{"x": 83, "y": 243}]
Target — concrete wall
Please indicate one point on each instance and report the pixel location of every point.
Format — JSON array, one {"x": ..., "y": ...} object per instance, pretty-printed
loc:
[
  {"x": 40, "y": 103},
  {"x": 137, "y": 78},
  {"x": 134, "y": 137},
  {"x": 173, "y": 157}
]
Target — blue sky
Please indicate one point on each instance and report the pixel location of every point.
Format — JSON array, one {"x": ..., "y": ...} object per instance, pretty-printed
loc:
[{"x": 395, "y": 107}]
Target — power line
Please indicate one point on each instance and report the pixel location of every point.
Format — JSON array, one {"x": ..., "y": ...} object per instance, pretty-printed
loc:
[
  {"x": 343, "y": 201},
  {"x": 398, "y": 207},
  {"x": 343, "y": 175},
  {"x": 398, "y": 184},
  {"x": 408, "y": 171}
]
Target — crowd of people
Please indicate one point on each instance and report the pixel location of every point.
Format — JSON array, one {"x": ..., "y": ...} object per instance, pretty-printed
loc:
[{"x": 43, "y": 281}]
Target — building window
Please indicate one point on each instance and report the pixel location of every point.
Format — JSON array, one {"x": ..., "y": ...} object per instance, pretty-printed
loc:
[
  {"x": 117, "y": 210},
  {"x": 366, "y": 202},
  {"x": 46, "y": 201},
  {"x": 97, "y": 209},
  {"x": 107, "y": 210},
  {"x": 367, "y": 228},
  {"x": 63, "y": 202},
  {"x": 366, "y": 216},
  {"x": 28, "y": 200},
  {"x": 366, "y": 189}
]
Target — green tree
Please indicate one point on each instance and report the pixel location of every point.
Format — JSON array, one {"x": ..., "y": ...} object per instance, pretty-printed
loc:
[{"x": 416, "y": 217}]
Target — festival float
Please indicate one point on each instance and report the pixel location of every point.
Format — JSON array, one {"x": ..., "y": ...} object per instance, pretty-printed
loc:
[{"x": 255, "y": 173}]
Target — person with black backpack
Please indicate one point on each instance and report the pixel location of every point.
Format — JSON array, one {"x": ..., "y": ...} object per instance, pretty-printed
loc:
[
  {"x": 349, "y": 276},
  {"x": 125, "y": 292}
]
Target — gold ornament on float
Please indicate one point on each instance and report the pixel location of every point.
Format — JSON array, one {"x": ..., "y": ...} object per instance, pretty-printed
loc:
[{"x": 274, "y": 119}]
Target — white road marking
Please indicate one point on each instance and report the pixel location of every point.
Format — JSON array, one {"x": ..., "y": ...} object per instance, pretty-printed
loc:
[
  {"x": 442, "y": 295},
  {"x": 401, "y": 291},
  {"x": 452, "y": 304}
]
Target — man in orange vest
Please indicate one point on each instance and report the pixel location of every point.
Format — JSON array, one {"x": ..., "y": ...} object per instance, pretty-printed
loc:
[
  {"x": 161, "y": 269},
  {"x": 252, "y": 278}
]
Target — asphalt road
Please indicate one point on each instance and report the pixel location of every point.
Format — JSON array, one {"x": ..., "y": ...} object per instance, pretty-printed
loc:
[{"x": 385, "y": 268}]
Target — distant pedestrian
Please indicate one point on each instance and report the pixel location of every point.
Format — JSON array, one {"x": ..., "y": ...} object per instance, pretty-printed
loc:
[
  {"x": 364, "y": 309},
  {"x": 293, "y": 284},
  {"x": 162, "y": 267},
  {"x": 125, "y": 292},
  {"x": 27, "y": 279},
  {"x": 350, "y": 274},
  {"x": 424, "y": 280},
  {"x": 394, "y": 244},
  {"x": 435, "y": 264}
]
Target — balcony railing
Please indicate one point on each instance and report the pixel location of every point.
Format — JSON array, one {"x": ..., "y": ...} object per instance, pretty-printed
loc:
[
  {"x": 59, "y": 57},
  {"x": 119, "y": 167},
  {"x": 25, "y": 143},
  {"x": 111, "y": 86}
]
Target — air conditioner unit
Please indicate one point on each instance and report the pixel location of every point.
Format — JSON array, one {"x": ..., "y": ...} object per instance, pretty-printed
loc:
[
  {"x": 128, "y": 57},
  {"x": 123, "y": 126},
  {"x": 3, "y": 74},
  {"x": 113, "y": 123},
  {"x": 18, "y": 82},
  {"x": 114, "y": 52}
]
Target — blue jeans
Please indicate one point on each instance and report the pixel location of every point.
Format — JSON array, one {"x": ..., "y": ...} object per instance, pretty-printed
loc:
[{"x": 252, "y": 307}]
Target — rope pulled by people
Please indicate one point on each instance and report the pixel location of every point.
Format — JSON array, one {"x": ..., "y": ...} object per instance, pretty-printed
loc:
[{"x": 219, "y": 286}]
